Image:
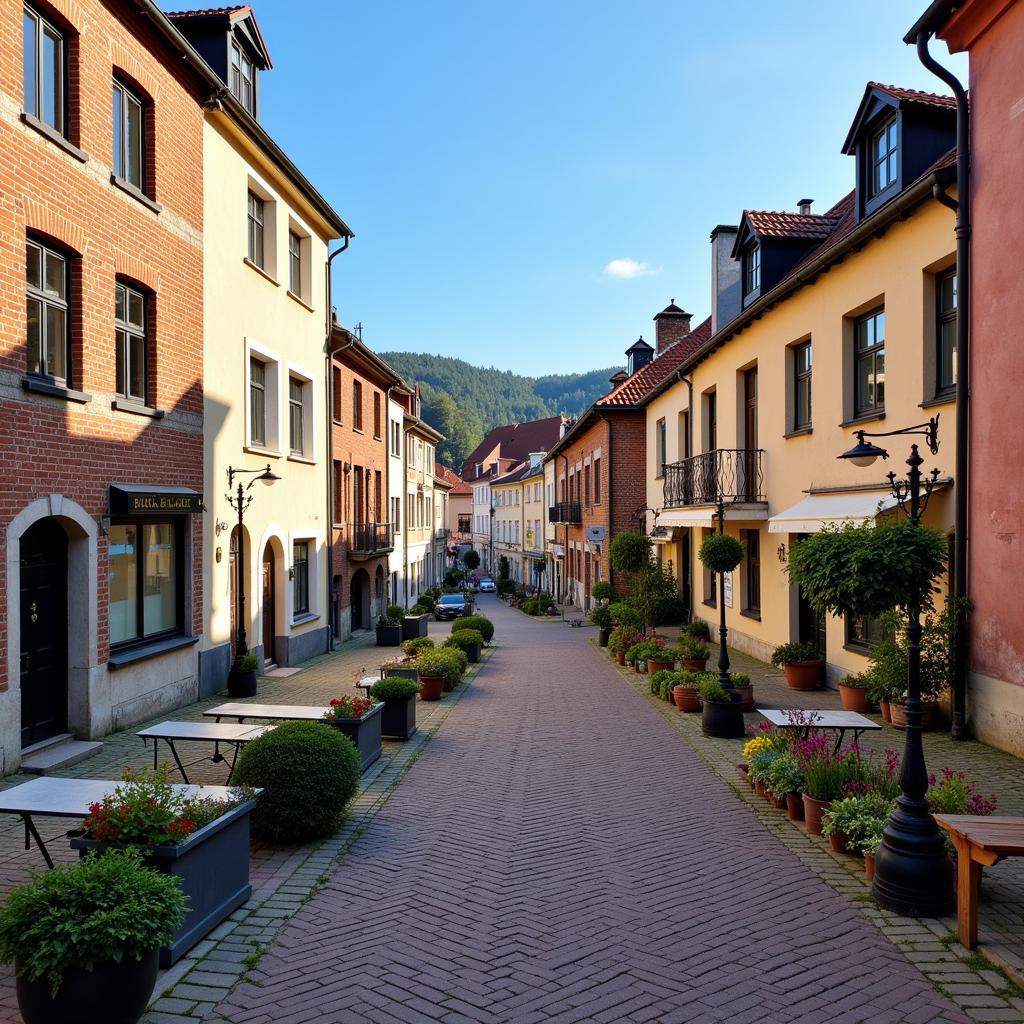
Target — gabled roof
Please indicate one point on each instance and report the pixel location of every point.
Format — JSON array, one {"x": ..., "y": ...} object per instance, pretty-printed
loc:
[
  {"x": 230, "y": 16},
  {"x": 639, "y": 346},
  {"x": 877, "y": 96},
  {"x": 511, "y": 475},
  {"x": 514, "y": 441},
  {"x": 451, "y": 479}
]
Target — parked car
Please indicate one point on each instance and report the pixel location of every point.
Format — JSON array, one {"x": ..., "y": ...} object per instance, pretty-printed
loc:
[
  {"x": 450, "y": 606},
  {"x": 488, "y": 586}
]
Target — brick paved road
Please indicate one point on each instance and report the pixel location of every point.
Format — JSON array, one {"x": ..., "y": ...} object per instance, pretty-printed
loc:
[{"x": 557, "y": 854}]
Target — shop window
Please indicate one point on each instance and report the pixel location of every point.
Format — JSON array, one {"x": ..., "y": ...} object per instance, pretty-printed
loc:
[{"x": 144, "y": 575}]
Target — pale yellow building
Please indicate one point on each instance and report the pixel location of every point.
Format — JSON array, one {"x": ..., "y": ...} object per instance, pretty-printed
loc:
[
  {"x": 420, "y": 447},
  {"x": 821, "y": 325},
  {"x": 509, "y": 529}
]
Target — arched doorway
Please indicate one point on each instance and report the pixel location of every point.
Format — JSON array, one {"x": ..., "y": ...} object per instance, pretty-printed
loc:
[
  {"x": 360, "y": 599},
  {"x": 269, "y": 605},
  {"x": 44, "y": 631}
]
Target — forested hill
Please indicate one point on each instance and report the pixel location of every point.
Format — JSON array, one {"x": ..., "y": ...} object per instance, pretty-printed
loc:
[{"x": 465, "y": 401}]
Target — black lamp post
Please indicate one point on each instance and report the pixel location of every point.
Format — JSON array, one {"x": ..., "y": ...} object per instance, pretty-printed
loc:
[
  {"x": 240, "y": 501},
  {"x": 913, "y": 873},
  {"x": 724, "y": 675}
]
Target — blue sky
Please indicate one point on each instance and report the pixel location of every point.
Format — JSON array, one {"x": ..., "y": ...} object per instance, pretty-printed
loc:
[{"x": 493, "y": 159}]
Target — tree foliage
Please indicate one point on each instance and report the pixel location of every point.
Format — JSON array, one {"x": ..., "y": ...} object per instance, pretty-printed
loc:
[
  {"x": 471, "y": 559},
  {"x": 630, "y": 552},
  {"x": 720, "y": 553}
]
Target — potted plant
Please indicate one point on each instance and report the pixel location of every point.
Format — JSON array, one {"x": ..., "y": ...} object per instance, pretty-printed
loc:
[
  {"x": 412, "y": 647},
  {"x": 619, "y": 642},
  {"x": 698, "y": 630},
  {"x": 467, "y": 640},
  {"x": 721, "y": 713},
  {"x": 853, "y": 692},
  {"x": 603, "y": 591},
  {"x": 358, "y": 718},
  {"x": 434, "y": 669},
  {"x": 826, "y": 774},
  {"x": 201, "y": 841},
  {"x": 601, "y": 616},
  {"x": 414, "y": 622},
  {"x": 693, "y": 653},
  {"x": 81, "y": 948},
  {"x": 785, "y": 782},
  {"x": 398, "y": 719},
  {"x": 660, "y": 656},
  {"x": 801, "y": 664},
  {"x": 389, "y": 626},
  {"x": 686, "y": 689},
  {"x": 758, "y": 769},
  {"x": 242, "y": 677},
  {"x": 852, "y": 820},
  {"x": 403, "y": 666},
  {"x": 745, "y": 688},
  {"x": 478, "y": 622}
]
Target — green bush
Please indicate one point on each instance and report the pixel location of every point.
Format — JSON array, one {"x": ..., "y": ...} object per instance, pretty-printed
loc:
[
  {"x": 464, "y": 639},
  {"x": 790, "y": 654},
  {"x": 395, "y": 612},
  {"x": 602, "y": 590},
  {"x": 630, "y": 552},
  {"x": 452, "y": 578},
  {"x": 601, "y": 616},
  {"x": 249, "y": 663},
  {"x": 309, "y": 771},
  {"x": 394, "y": 688},
  {"x": 506, "y": 587},
  {"x": 657, "y": 678},
  {"x": 668, "y": 610},
  {"x": 103, "y": 909},
  {"x": 471, "y": 560},
  {"x": 711, "y": 691},
  {"x": 426, "y": 602},
  {"x": 720, "y": 553},
  {"x": 477, "y": 622},
  {"x": 418, "y": 609},
  {"x": 691, "y": 649},
  {"x": 416, "y": 644},
  {"x": 625, "y": 615},
  {"x": 739, "y": 679},
  {"x": 443, "y": 662},
  {"x": 698, "y": 630}
]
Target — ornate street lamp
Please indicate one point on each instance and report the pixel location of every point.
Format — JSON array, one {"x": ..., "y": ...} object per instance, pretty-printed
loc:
[
  {"x": 913, "y": 873},
  {"x": 240, "y": 501}
]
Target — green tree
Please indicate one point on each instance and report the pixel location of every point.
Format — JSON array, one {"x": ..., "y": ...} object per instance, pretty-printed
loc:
[
  {"x": 462, "y": 430},
  {"x": 471, "y": 560}
]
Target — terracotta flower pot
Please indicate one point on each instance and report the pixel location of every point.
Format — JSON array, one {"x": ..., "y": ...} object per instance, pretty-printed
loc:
[
  {"x": 854, "y": 698},
  {"x": 694, "y": 664},
  {"x": 778, "y": 802},
  {"x": 687, "y": 698},
  {"x": 929, "y": 714},
  {"x": 869, "y": 865},
  {"x": 744, "y": 773},
  {"x": 885, "y": 708},
  {"x": 655, "y": 665},
  {"x": 838, "y": 841},
  {"x": 802, "y": 675},
  {"x": 794, "y": 807},
  {"x": 759, "y": 788},
  {"x": 620, "y": 657},
  {"x": 746, "y": 697},
  {"x": 431, "y": 687},
  {"x": 814, "y": 810}
]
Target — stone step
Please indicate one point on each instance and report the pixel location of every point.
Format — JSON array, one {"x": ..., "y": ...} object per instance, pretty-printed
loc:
[{"x": 49, "y": 756}]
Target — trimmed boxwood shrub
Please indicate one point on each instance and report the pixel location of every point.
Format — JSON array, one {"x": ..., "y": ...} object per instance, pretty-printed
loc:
[
  {"x": 447, "y": 662},
  {"x": 478, "y": 622},
  {"x": 426, "y": 601},
  {"x": 394, "y": 688},
  {"x": 464, "y": 639},
  {"x": 396, "y": 612},
  {"x": 309, "y": 771},
  {"x": 720, "y": 553},
  {"x": 630, "y": 552},
  {"x": 416, "y": 644}
]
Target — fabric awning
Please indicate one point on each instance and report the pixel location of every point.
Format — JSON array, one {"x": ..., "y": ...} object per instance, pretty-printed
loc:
[
  {"x": 706, "y": 515},
  {"x": 811, "y": 514}
]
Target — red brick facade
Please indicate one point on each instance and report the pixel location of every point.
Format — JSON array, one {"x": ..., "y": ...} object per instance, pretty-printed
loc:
[{"x": 77, "y": 444}]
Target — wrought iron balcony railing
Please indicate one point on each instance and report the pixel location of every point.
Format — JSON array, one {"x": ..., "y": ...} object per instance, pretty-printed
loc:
[
  {"x": 734, "y": 474},
  {"x": 565, "y": 512},
  {"x": 366, "y": 539}
]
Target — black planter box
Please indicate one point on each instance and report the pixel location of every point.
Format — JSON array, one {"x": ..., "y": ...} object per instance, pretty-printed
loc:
[
  {"x": 389, "y": 636},
  {"x": 414, "y": 626},
  {"x": 399, "y": 670},
  {"x": 473, "y": 653},
  {"x": 365, "y": 733},
  {"x": 213, "y": 865},
  {"x": 242, "y": 682},
  {"x": 724, "y": 721},
  {"x": 398, "y": 719}
]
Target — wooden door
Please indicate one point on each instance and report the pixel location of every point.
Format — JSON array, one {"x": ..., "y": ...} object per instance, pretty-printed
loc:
[{"x": 269, "y": 603}]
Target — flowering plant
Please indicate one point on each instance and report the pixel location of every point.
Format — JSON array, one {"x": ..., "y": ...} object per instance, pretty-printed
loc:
[
  {"x": 883, "y": 779},
  {"x": 349, "y": 706},
  {"x": 953, "y": 794},
  {"x": 784, "y": 776},
  {"x": 826, "y": 773},
  {"x": 860, "y": 818},
  {"x": 761, "y": 763},
  {"x": 758, "y": 745}
]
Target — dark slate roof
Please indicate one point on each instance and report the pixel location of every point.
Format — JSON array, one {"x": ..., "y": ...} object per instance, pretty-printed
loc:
[
  {"x": 640, "y": 346},
  {"x": 671, "y": 310}
]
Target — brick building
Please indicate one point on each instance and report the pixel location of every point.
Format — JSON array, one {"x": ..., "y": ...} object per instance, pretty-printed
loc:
[
  {"x": 365, "y": 521},
  {"x": 101, "y": 356},
  {"x": 599, "y": 463}
]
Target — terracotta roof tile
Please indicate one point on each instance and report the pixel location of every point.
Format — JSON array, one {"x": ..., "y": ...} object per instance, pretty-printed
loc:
[
  {"x": 515, "y": 441},
  {"x": 928, "y": 99},
  {"x": 208, "y": 12},
  {"x": 452, "y": 479},
  {"x": 781, "y": 224}
]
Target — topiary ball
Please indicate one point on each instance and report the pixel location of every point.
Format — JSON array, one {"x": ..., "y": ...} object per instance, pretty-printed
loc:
[
  {"x": 308, "y": 770},
  {"x": 478, "y": 622},
  {"x": 720, "y": 553}
]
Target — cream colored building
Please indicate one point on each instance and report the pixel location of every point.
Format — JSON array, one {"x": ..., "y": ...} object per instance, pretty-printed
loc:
[
  {"x": 554, "y": 551},
  {"x": 535, "y": 567},
  {"x": 420, "y": 445},
  {"x": 852, "y": 333},
  {"x": 266, "y": 235},
  {"x": 509, "y": 524}
]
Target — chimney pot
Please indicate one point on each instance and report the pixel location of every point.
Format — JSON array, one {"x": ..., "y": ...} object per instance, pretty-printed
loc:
[{"x": 804, "y": 206}]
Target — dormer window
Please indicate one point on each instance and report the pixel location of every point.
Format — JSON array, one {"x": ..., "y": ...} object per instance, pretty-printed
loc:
[
  {"x": 752, "y": 269},
  {"x": 883, "y": 157},
  {"x": 243, "y": 79}
]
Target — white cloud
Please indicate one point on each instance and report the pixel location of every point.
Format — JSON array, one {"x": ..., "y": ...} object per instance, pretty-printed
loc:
[{"x": 624, "y": 269}]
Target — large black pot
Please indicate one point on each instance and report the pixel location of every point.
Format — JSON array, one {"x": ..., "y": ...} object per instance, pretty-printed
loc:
[
  {"x": 724, "y": 721},
  {"x": 115, "y": 993},
  {"x": 365, "y": 734},
  {"x": 603, "y": 634},
  {"x": 473, "y": 653},
  {"x": 242, "y": 682},
  {"x": 398, "y": 719},
  {"x": 389, "y": 636}
]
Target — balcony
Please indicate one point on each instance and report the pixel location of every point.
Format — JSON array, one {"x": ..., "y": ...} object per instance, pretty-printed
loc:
[
  {"x": 367, "y": 540},
  {"x": 565, "y": 512},
  {"x": 441, "y": 533},
  {"x": 733, "y": 474}
]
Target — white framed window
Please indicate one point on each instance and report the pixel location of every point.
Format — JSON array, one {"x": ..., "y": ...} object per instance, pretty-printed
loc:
[
  {"x": 303, "y": 601},
  {"x": 263, "y": 397}
]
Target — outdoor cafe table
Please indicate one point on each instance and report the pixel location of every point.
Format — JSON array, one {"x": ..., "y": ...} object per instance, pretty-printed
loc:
[
  {"x": 201, "y": 732},
  {"x": 277, "y": 712},
  {"x": 53, "y": 797},
  {"x": 832, "y": 721}
]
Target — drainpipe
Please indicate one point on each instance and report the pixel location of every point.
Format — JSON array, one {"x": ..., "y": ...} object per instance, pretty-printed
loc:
[
  {"x": 962, "y": 207},
  {"x": 329, "y": 392},
  {"x": 565, "y": 534}
]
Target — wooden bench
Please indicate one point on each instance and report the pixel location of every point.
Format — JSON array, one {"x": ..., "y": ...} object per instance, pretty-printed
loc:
[{"x": 980, "y": 842}]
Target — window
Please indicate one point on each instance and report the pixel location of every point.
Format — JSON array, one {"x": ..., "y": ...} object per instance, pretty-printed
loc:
[
  {"x": 597, "y": 481},
  {"x": 802, "y": 386},
  {"x": 47, "y": 317},
  {"x": 295, "y": 419},
  {"x": 357, "y": 405},
  {"x": 336, "y": 393},
  {"x": 376, "y": 414},
  {"x": 396, "y": 438},
  {"x": 294, "y": 264},
  {"x": 243, "y": 79},
  {"x": 144, "y": 581},
  {"x": 751, "y": 571},
  {"x": 862, "y": 633},
  {"x": 256, "y": 213},
  {"x": 45, "y": 64},
  {"x": 752, "y": 269},
  {"x": 300, "y": 578},
  {"x": 661, "y": 439},
  {"x": 869, "y": 363},
  {"x": 339, "y": 494},
  {"x": 130, "y": 335},
  {"x": 883, "y": 157},
  {"x": 711, "y": 411},
  {"x": 129, "y": 134},
  {"x": 257, "y": 401},
  {"x": 946, "y": 289}
]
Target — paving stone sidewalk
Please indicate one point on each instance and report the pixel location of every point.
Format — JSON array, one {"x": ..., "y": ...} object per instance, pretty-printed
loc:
[{"x": 559, "y": 855}]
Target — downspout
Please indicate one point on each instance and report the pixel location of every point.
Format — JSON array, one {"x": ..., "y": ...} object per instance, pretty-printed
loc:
[
  {"x": 565, "y": 533},
  {"x": 962, "y": 207},
  {"x": 329, "y": 392}
]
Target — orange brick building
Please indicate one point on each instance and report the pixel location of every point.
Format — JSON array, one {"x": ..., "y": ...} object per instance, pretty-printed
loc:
[{"x": 101, "y": 354}]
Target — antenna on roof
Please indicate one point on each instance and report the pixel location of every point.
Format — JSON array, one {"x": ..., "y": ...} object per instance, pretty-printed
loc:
[{"x": 358, "y": 329}]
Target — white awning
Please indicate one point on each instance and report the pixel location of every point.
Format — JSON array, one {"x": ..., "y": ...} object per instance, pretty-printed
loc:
[
  {"x": 705, "y": 515},
  {"x": 811, "y": 514}
]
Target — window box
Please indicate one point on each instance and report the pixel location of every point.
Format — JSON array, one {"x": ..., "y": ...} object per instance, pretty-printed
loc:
[
  {"x": 364, "y": 732},
  {"x": 414, "y": 626},
  {"x": 213, "y": 865}
]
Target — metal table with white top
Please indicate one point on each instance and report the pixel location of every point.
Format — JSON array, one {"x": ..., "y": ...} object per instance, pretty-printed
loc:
[
  {"x": 172, "y": 733},
  {"x": 276, "y": 712},
  {"x": 812, "y": 718},
  {"x": 53, "y": 797}
]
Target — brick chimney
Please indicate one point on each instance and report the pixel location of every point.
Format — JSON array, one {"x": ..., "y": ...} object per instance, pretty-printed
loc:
[{"x": 670, "y": 325}]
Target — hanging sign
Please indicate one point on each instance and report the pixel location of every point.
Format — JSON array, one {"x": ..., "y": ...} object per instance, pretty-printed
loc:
[
  {"x": 131, "y": 499},
  {"x": 595, "y": 534},
  {"x": 727, "y": 588}
]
